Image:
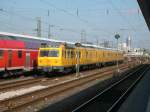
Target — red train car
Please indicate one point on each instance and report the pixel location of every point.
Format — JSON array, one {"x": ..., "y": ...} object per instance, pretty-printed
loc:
[
  {"x": 14, "y": 57},
  {"x": 11, "y": 54},
  {"x": 17, "y": 54}
]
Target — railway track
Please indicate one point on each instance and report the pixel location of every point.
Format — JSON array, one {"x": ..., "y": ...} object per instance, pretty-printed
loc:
[
  {"x": 24, "y": 101},
  {"x": 13, "y": 85},
  {"x": 112, "y": 97},
  {"x": 18, "y": 84}
]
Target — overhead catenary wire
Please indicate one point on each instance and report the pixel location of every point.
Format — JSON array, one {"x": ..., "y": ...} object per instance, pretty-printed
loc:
[
  {"x": 34, "y": 20},
  {"x": 89, "y": 24},
  {"x": 68, "y": 13},
  {"x": 74, "y": 15},
  {"x": 43, "y": 22},
  {"x": 121, "y": 15}
]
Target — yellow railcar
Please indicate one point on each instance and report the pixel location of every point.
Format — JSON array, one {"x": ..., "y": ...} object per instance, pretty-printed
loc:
[{"x": 64, "y": 57}]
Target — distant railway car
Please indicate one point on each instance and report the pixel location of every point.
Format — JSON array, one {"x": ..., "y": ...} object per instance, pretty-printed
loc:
[{"x": 64, "y": 57}]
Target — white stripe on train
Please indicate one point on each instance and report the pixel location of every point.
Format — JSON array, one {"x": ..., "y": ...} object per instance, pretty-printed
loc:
[
  {"x": 19, "y": 49},
  {"x": 15, "y": 68}
]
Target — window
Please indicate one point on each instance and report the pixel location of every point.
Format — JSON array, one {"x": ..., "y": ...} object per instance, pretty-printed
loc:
[
  {"x": 79, "y": 54},
  {"x": 1, "y": 53},
  {"x": 53, "y": 53},
  {"x": 19, "y": 54},
  {"x": 64, "y": 54},
  {"x": 44, "y": 53},
  {"x": 103, "y": 54},
  {"x": 86, "y": 54},
  {"x": 49, "y": 53},
  {"x": 72, "y": 54},
  {"x": 69, "y": 53}
]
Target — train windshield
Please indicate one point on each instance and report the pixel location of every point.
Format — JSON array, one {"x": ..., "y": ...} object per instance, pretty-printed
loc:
[
  {"x": 53, "y": 53},
  {"x": 49, "y": 53},
  {"x": 44, "y": 53}
]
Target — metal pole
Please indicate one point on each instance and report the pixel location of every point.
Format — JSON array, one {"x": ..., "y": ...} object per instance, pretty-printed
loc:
[
  {"x": 49, "y": 31},
  {"x": 39, "y": 26},
  {"x": 77, "y": 64},
  {"x": 117, "y": 36},
  {"x": 117, "y": 57},
  {"x": 77, "y": 58}
]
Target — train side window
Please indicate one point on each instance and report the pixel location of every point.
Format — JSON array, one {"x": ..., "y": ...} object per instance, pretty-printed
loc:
[
  {"x": 80, "y": 54},
  {"x": 86, "y": 54},
  {"x": 68, "y": 53},
  {"x": 72, "y": 54},
  {"x": 19, "y": 54},
  {"x": 1, "y": 53},
  {"x": 64, "y": 54}
]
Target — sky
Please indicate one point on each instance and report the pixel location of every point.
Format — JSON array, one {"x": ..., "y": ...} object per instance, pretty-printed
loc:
[{"x": 95, "y": 20}]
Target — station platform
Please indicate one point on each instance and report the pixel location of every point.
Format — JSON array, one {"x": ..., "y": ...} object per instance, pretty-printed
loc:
[{"x": 139, "y": 99}]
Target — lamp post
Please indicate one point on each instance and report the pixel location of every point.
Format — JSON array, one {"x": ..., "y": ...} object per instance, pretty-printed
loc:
[
  {"x": 77, "y": 58},
  {"x": 117, "y": 36}
]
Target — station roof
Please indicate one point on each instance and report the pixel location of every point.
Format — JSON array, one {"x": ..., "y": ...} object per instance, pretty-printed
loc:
[{"x": 145, "y": 8}]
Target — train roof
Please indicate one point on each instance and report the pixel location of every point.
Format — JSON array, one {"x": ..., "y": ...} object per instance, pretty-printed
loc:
[
  {"x": 72, "y": 44},
  {"x": 100, "y": 47},
  {"x": 28, "y": 37}
]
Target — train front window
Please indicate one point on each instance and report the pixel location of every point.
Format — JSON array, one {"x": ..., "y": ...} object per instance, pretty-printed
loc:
[
  {"x": 44, "y": 53},
  {"x": 53, "y": 53}
]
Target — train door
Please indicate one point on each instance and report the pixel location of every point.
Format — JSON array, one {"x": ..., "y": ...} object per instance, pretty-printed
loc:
[
  {"x": 9, "y": 58},
  {"x": 27, "y": 62}
]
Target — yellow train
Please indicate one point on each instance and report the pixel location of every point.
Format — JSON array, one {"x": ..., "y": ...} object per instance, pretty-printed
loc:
[{"x": 64, "y": 57}]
